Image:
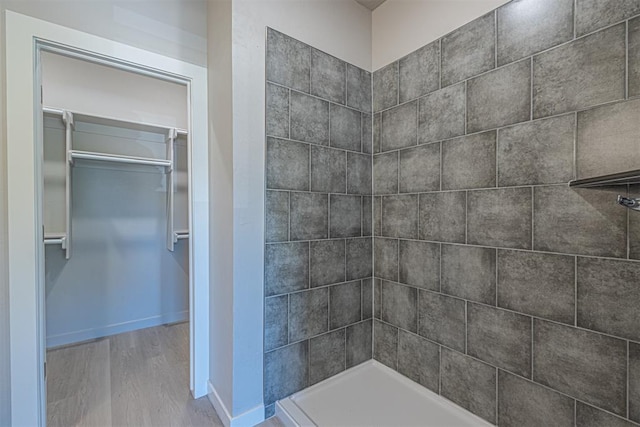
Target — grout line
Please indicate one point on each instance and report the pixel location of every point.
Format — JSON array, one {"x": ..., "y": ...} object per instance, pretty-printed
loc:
[
  {"x": 627, "y": 391},
  {"x": 310, "y": 169},
  {"x": 497, "y": 276},
  {"x": 466, "y": 327},
  {"x": 575, "y": 19},
  {"x": 439, "y": 369},
  {"x": 440, "y": 166},
  {"x": 330, "y": 143},
  {"x": 328, "y": 309},
  {"x": 575, "y": 291},
  {"x": 440, "y": 280},
  {"x": 329, "y": 236},
  {"x": 345, "y": 274},
  {"x": 440, "y": 63},
  {"x": 575, "y": 146},
  {"x": 626, "y": 58},
  {"x": 496, "y": 158},
  {"x": 532, "y": 352},
  {"x": 466, "y": 217},
  {"x": 531, "y": 93},
  {"x": 495, "y": 38},
  {"x": 289, "y": 215},
  {"x": 397, "y": 67},
  {"x": 533, "y": 214},
  {"x": 466, "y": 108},
  {"x": 628, "y": 225},
  {"x": 288, "y": 319},
  {"x": 346, "y": 95},
  {"x": 308, "y": 266},
  {"x": 474, "y": 245},
  {"x": 288, "y": 113},
  {"x": 308, "y": 342},
  {"x": 575, "y": 412},
  {"x": 513, "y": 125},
  {"x": 345, "y": 347},
  {"x": 497, "y": 394}
]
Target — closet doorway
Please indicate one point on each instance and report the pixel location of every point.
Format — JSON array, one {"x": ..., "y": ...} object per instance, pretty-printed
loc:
[{"x": 119, "y": 233}]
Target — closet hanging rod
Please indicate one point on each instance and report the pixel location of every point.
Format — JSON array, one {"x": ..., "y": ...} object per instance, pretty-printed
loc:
[
  {"x": 88, "y": 155},
  {"x": 110, "y": 121}
]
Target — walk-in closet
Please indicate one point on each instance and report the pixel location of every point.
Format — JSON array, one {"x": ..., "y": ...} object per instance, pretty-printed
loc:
[{"x": 116, "y": 226}]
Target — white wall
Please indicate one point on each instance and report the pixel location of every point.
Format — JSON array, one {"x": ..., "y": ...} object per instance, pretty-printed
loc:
[
  {"x": 5, "y": 368},
  {"x": 174, "y": 28},
  {"x": 402, "y": 26},
  {"x": 237, "y": 85},
  {"x": 221, "y": 202},
  {"x": 94, "y": 89}
]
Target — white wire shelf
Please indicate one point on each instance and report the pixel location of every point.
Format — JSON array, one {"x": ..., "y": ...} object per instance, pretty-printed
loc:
[{"x": 111, "y": 121}]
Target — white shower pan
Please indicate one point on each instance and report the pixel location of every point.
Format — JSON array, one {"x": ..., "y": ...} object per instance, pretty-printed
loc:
[{"x": 371, "y": 394}]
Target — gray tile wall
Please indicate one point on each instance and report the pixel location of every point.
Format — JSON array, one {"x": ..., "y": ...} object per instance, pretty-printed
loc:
[
  {"x": 318, "y": 208},
  {"x": 527, "y": 289}
]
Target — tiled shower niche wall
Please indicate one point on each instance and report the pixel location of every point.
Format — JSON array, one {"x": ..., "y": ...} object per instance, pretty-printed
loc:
[
  {"x": 318, "y": 254},
  {"x": 498, "y": 286}
]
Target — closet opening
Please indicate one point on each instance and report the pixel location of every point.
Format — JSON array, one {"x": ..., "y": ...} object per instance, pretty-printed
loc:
[{"x": 115, "y": 211}]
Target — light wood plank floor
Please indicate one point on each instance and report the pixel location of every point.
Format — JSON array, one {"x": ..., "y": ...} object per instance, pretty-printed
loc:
[{"x": 139, "y": 378}]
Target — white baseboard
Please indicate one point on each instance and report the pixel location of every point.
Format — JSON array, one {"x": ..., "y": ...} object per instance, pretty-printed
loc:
[
  {"x": 118, "y": 328},
  {"x": 247, "y": 419}
]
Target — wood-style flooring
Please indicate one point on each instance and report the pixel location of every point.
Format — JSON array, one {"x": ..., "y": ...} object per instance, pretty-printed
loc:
[{"x": 139, "y": 378}]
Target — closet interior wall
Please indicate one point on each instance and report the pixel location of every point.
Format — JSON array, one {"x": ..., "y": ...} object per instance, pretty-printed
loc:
[
  {"x": 120, "y": 275},
  {"x": 497, "y": 285},
  {"x": 318, "y": 254}
]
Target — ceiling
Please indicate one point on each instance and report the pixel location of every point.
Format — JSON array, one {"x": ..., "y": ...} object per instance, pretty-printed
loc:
[{"x": 370, "y": 4}]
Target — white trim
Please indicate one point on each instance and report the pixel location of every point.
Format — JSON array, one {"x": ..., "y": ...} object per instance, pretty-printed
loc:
[
  {"x": 249, "y": 418},
  {"x": 116, "y": 328},
  {"x": 25, "y": 239}
]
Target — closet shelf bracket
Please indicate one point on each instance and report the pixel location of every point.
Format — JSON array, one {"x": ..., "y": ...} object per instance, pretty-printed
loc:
[
  {"x": 180, "y": 235},
  {"x": 67, "y": 119},
  {"x": 172, "y": 135}
]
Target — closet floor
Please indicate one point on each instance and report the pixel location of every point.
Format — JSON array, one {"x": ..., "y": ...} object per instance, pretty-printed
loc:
[{"x": 138, "y": 378}]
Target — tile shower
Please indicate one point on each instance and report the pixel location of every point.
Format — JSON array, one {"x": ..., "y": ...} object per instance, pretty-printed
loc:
[
  {"x": 495, "y": 284},
  {"x": 318, "y": 254}
]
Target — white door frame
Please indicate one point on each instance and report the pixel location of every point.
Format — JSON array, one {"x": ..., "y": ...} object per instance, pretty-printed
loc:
[{"x": 25, "y": 237}]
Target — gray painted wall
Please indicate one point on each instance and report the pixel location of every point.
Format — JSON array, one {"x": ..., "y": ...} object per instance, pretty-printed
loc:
[
  {"x": 318, "y": 265},
  {"x": 497, "y": 285}
]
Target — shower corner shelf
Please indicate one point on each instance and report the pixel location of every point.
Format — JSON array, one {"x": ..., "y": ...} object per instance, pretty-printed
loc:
[{"x": 621, "y": 178}]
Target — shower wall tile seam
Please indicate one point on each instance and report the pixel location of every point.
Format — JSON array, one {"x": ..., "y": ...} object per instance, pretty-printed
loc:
[
  {"x": 316, "y": 144},
  {"x": 492, "y": 129},
  {"x": 528, "y": 380},
  {"x": 506, "y": 248},
  {"x": 319, "y": 287},
  {"x": 508, "y": 310},
  {"x": 310, "y": 95},
  {"x": 330, "y": 331}
]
